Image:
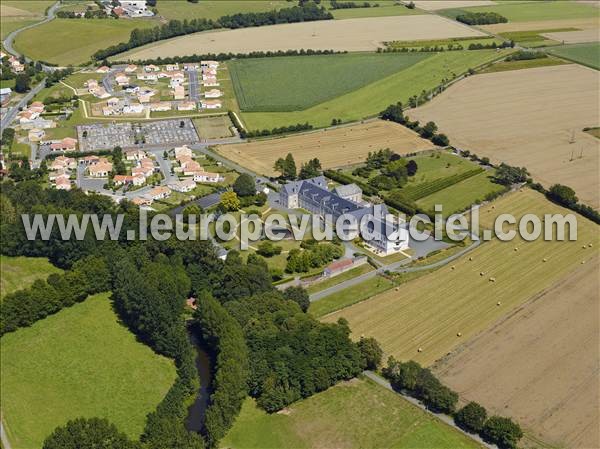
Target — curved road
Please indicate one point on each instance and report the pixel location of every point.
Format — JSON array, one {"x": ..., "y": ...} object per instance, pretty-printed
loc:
[{"x": 8, "y": 42}]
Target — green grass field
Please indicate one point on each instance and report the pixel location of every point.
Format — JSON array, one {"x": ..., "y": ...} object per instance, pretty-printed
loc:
[
  {"x": 10, "y": 24},
  {"x": 299, "y": 82},
  {"x": 79, "y": 362},
  {"x": 17, "y": 273},
  {"x": 504, "y": 66},
  {"x": 461, "y": 195},
  {"x": 326, "y": 283},
  {"x": 586, "y": 54},
  {"x": 373, "y": 98},
  {"x": 211, "y": 9},
  {"x": 464, "y": 41},
  {"x": 68, "y": 41},
  {"x": 354, "y": 414},
  {"x": 532, "y": 11},
  {"x": 350, "y": 295},
  {"x": 385, "y": 8},
  {"x": 534, "y": 38},
  {"x": 429, "y": 312},
  {"x": 30, "y": 7}
]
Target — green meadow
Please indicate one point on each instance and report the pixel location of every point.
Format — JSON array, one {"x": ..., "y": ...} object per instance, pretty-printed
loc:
[
  {"x": 299, "y": 82},
  {"x": 371, "y": 99},
  {"x": 586, "y": 54},
  {"x": 354, "y": 414},
  {"x": 19, "y": 272},
  {"x": 79, "y": 362}
]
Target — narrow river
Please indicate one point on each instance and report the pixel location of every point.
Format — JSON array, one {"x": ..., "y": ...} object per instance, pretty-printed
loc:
[{"x": 194, "y": 421}]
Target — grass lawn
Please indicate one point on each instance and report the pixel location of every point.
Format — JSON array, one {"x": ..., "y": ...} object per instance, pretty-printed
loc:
[
  {"x": 326, "y": 283},
  {"x": 79, "y": 362},
  {"x": 7, "y": 83},
  {"x": 298, "y": 82},
  {"x": 17, "y": 273},
  {"x": 213, "y": 127},
  {"x": 532, "y": 11},
  {"x": 586, "y": 54},
  {"x": 437, "y": 165},
  {"x": 373, "y": 98},
  {"x": 429, "y": 312},
  {"x": 504, "y": 66},
  {"x": 350, "y": 295},
  {"x": 354, "y": 414},
  {"x": 68, "y": 41},
  {"x": 461, "y": 195}
]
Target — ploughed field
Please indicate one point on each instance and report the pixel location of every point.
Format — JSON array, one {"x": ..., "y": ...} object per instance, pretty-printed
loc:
[
  {"x": 333, "y": 147},
  {"x": 530, "y": 118},
  {"x": 540, "y": 365},
  {"x": 470, "y": 294}
]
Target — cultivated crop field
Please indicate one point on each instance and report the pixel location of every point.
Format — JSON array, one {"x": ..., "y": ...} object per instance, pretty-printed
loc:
[
  {"x": 299, "y": 82},
  {"x": 68, "y": 41},
  {"x": 533, "y": 11},
  {"x": 540, "y": 365},
  {"x": 527, "y": 118},
  {"x": 354, "y": 414},
  {"x": 371, "y": 99},
  {"x": 364, "y": 34},
  {"x": 79, "y": 362},
  {"x": 429, "y": 312},
  {"x": 335, "y": 147},
  {"x": 586, "y": 54},
  {"x": 20, "y": 272}
]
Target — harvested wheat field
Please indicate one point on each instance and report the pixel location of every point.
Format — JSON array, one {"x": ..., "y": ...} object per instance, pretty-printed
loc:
[
  {"x": 532, "y": 118},
  {"x": 583, "y": 24},
  {"x": 365, "y": 34},
  {"x": 574, "y": 37},
  {"x": 427, "y": 318},
  {"x": 541, "y": 364},
  {"x": 335, "y": 147},
  {"x": 434, "y": 5}
]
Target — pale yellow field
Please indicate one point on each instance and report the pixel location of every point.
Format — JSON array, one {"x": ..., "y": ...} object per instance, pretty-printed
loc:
[
  {"x": 541, "y": 364},
  {"x": 364, "y": 34},
  {"x": 429, "y": 312},
  {"x": 334, "y": 148},
  {"x": 528, "y": 118},
  {"x": 434, "y": 5},
  {"x": 584, "y": 24},
  {"x": 575, "y": 37}
]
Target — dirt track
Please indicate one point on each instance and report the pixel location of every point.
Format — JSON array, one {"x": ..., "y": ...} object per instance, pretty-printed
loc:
[
  {"x": 528, "y": 118},
  {"x": 339, "y": 147},
  {"x": 364, "y": 34},
  {"x": 541, "y": 364}
]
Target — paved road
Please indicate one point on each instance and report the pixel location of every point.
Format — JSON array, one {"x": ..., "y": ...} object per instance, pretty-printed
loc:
[
  {"x": 445, "y": 418},
  {"x": 8, "y": 42},
  {"x": 194, "y": 86},
  {"x": 12, "y": 112}
]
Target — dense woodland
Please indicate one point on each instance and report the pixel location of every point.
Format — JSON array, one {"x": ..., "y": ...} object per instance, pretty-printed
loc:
[{"x": 261, "y": 340}]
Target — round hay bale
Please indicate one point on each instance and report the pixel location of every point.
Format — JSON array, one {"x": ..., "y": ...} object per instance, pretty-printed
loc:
[
  {"x": 459, "y": 334},
  {"x": 590, "y": 245},
  {"x": 453, "y": 267},
  {"x": 516, "y": 249},
  {"x": 498, "y": 303},
  {"x": 544, "y": 260},
  {"x": 584, "y": 247},
  {"x": 470, "y": 258},
  {"x": 582, "y": 262},
  {"x": 492, "y": 279},
  {"x": 397, "y": 289},
  {"x": 481, "y": 273},
  {"x": 420, "y": 350}
]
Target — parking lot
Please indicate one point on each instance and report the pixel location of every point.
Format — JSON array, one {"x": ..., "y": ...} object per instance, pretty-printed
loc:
[{"x": 101, "y": 136}]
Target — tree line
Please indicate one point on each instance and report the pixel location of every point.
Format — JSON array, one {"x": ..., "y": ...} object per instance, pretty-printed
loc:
[
  {"x": 481, "y": 18},
  {"x": 138, "y": 37},
  {"x": 411, "y": 378}
]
